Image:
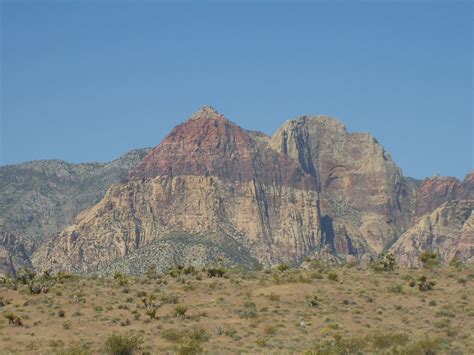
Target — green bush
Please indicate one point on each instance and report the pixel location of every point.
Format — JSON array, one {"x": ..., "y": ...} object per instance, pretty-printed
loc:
[
  {"x": 429, "y": 259},
  {"x": 283, "y": 267},
  {"x": 395, "y": 288},
  {"x": 13, "y": 319},
  {"x": 313, "y": 300},
  {"x": 332, "y": 276},
  {"x": 425, "y": 285},
  {"x": 189, "y": 340},
  {"x": 122, "y": 344},
  {"x": 179, "y": 311},
  {"x": 249, "y": 310},
  {"x": 216, "y": 271},
  {"x": 385, "y": 262}
]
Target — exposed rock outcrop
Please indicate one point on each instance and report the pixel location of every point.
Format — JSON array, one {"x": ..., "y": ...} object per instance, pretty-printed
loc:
[
  {"x": 361, "y": 188},
  {"x": 442, "y": 222},
  {"x": 439, "y": 189},
  {"x": 207, "y": 177},
  {"x": 213, "y": 190},
  {"x": 447, "y": 231},
  {"x": 39, "y": 198}
]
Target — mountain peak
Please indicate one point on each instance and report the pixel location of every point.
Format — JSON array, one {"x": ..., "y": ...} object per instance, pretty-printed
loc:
[{"x": 206, "y": 112}]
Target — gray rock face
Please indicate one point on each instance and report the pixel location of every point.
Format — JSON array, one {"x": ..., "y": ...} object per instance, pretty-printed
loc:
[
  {"x": 447, "y": 231},
  {"x": 212, "y": 190},
  {"x": 364, "y": 196},
  {"x": 39, "y": 198},
  {"x": 442, "y": 221}
]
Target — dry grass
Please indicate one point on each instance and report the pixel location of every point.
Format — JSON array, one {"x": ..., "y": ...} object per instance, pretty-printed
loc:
[{"x": 273, "y": 311}]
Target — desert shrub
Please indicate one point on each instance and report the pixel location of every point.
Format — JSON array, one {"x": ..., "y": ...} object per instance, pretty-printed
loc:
[
  {"x": 13, "y": 319},
  {"x": 121, "y": 279},
  {"x": 262, "y": 342},
  {"x": 395, "y": 288},
  {"x": 332, "y": 276},
  {"x": 427, "y": 346},
  {"x": 122, "y": 344},
  {"x": 215, "y": 271},
  {"x": 179, "y": 311},
  {"x": 382, "y": 341},
  {"x": 189, "y": 340},
  {"x": 313, "y": 300},
  {"x": 151, "y": 306},
  {"x": 274, "y": 297},
  {"x": 386, "y": 262},
  {"x": 339, "y": 345},
  {"x": 61, "y": 313},
  {"x": 169, "y": 298},
  {"x": 67, "y": 325},
  {"x": 71, "y": 349},
  {"x": 249, "y": 310},
  {"x": 424, "y": 284},
  {"x": 189, "y": 347},
  {"x": 456, "y": 263},
  {"x": 429, "y": 259},
  {"x": 25, "y": 276},
  {"x": 151, "y": 272},
  {"x": 270, "y": 330},
  {"x": 283, "y": 267}
]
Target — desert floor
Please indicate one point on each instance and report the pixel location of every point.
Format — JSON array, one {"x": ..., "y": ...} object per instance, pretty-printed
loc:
[{"x": 322, "y": 309}]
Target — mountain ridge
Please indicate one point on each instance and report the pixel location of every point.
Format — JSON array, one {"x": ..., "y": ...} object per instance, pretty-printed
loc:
[{"x": 313, "y": 189}]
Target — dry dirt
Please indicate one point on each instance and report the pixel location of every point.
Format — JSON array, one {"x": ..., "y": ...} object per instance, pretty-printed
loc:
[{"x": 363, "y": 311}]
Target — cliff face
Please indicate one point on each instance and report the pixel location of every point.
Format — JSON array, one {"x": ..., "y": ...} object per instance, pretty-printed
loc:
[
  {"x": 213, "y": 190},
  {"x": 208, "y": 177},
  {"x": 447, "y": 231},
  {"x": 362, "y": 191},
  {"x": 39, "y": 198},
  {"x": 442, "y": 221},
  {"x": 437, "y": 190}
]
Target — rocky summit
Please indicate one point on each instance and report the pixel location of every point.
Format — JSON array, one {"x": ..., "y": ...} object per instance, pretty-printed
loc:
[{"x": 212, "y": 190}]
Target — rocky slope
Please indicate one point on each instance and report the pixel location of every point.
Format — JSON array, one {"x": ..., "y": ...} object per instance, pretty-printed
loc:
[
  {"x": 363, "y": 193},
  {"x": 209, "y": 178},
  {"x": 39, "y": 198},
  {"x": 212, "y": 190},
  {"x": 442, "y": 222}
]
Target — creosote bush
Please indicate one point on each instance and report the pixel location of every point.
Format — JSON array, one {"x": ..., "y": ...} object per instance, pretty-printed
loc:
[
  {"x": 425, "y": 285},
  {"x": 429, "y": 259},
  {"x": 313, "y": 300},
  {"x": 122, "y": 344},
  {"x": 13, "y": 319},
  {"x": 386, "y": 262},
  {"x": 283, "y": 267}
]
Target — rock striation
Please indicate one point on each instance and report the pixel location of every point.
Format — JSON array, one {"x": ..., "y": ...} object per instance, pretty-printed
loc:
[
  {"x": 208, "y": 177},
  {"x": 39, "y": 198},
  {"x": 364, "y": 195},
  {"x": 213, "y": 190},
  {"x": 442, "y": 222}
]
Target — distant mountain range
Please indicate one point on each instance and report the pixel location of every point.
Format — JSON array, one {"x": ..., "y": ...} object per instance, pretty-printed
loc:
[{"x": 213, "y": 190}]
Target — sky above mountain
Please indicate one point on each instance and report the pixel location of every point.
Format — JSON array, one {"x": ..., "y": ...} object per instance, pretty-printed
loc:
[{"x": 89, "y": 80}]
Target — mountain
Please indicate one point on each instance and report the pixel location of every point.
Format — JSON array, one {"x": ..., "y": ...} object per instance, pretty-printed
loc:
[
  {"x": 39, "y": 198},
  {"x": 443, "y": 221},
  {"x": 210, "y": 183},
  {"x": 212, "y": 190},
  {"x": 364, "y": 195}
]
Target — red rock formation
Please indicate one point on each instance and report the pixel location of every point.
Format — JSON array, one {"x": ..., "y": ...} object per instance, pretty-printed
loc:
[{"x": 210, "y": 145}]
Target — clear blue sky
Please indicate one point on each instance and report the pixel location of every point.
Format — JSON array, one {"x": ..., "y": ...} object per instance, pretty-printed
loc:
[{"x": 89, "y": 80}]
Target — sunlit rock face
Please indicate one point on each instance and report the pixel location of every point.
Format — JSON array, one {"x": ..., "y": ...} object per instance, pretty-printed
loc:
[
  {"x": 213, "y": 190},
  {"x": 362, "y": 191},
  {"x": 208, "y": 177}
]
